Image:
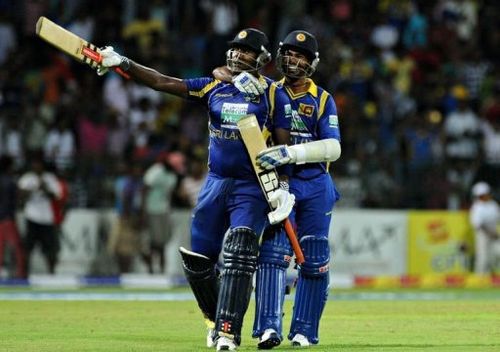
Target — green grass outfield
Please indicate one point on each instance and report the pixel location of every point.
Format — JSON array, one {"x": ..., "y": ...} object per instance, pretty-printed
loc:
[{"x": 354, "y": 320}]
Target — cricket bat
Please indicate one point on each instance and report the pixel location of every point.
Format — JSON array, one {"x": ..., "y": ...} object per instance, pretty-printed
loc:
[
  {"x": 71, "y": 44},
  {"x": 254, "y": 142}
]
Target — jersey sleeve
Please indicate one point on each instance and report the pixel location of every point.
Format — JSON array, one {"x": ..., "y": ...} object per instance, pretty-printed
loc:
[
  {"x": 199, "y": 88},
  {"x": 328, "y": 122}
]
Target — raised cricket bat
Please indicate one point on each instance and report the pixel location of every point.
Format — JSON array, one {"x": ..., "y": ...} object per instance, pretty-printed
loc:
[
  {"x": 71, "y": 44},
  {"x": 254, "y": 142}
]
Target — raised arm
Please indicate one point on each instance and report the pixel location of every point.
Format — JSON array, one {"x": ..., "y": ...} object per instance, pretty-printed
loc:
[
  {"x": 142, "y": 74},
  {"x": 223, "y": 73}
]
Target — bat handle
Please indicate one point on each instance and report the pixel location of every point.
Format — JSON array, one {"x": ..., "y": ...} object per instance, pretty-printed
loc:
[
  {"x": 95, "y": 56},
  {"x": 121, "y": 72},
  {"x": 299, "y": 256}
]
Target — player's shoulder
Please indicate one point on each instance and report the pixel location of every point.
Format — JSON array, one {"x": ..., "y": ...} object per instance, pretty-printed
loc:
[
  {"x": 277, "y": 87},
  {"x": 322, "y": 92},
  {"x": 200, "y": 86}
]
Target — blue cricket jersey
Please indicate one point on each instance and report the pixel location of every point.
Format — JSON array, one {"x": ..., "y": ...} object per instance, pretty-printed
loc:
[
  {"x": 226, "y": 105},
  {"x": 314, "y": 117}
]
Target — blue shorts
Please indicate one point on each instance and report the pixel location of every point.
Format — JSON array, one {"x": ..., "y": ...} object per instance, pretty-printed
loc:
[
  {"x": 226, "y": 203},
  {"x": 314, "y": 201}
]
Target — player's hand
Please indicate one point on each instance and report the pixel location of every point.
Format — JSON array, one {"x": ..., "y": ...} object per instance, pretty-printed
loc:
[
  {"x": 110, "y": 58},
  {"x": 249, "y": 85},
  {"x": 276, "y": 156},
  {"x": 282, "y": 201}
]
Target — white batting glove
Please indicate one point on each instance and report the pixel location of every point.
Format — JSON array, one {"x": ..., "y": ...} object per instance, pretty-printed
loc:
[
  {"x": 276, "y": 156},
  {"x": 282, "y": 202},
  {"x": 249, "y": 84},
  {"x": 110, "y": 58}
]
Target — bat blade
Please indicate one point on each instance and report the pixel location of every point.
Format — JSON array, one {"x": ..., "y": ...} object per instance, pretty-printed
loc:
[
  {"x": 269, "y": 181},
  {"x": 254, "y": 142},
  {"x": 61, "y": 38},
  {"x": 71, "y": 44}
]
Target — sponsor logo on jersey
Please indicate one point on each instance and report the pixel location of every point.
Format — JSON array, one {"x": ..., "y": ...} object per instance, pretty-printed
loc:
[
  {"x": 288, "y": 111},
  {"x": 333, "y": 121},
  {"x": 305, "y": 109},
  {"x": 231, "y": 113},
  {"x": 225, "y": 134}
]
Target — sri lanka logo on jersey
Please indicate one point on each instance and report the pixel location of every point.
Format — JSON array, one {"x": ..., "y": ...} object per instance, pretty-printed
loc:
[
  {"x": 305, "y": 109},
  {"x": 231, "y": 113}
]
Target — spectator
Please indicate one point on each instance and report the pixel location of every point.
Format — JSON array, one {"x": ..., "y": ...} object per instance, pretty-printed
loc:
[
  {"x": 8, "y": 229},
  {"x": 490, "y": 127},
  {"x": 191, "y": 184},
  {"x": 485, "y": 219},
  {"x": 60, "y": 145},
  {"x": 12, "y": 141},
  {"x": 462, "y": 147},
  {"x": 9, "y": 41},
  {"x": 159, "y": 183},
  {"x": 59, "y": 204},
  {"x": 143, "y": 31},
  {"x": 123, "y": 242},
  {"x": 39, "y": 188}
]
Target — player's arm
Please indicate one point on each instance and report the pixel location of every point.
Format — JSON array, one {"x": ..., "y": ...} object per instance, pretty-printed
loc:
[
  {"x": 245, "y": 82},
  {"x": 142, "y": 74}
]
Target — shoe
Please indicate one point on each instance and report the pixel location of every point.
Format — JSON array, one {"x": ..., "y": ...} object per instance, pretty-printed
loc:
[
  {"x": 268, "y": 340},
  {"x": 300, "y": 340},
  {"x": 225, "y": 344},
  {"x": 210, "y": 338}
]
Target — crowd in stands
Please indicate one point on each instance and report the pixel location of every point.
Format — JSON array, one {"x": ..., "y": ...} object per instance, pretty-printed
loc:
[{"x": 416, "y": 84}]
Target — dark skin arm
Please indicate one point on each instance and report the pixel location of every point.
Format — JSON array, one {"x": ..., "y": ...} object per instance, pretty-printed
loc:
[
  {"x": 157, "y": 80},
  {"x": 223, "y": 73}
]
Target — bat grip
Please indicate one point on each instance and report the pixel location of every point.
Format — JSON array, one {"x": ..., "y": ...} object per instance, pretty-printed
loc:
[
  {"x": 97, "y": 57},
  {"x": 121, "y": 72},
  {"x": 292, "y": 237}
]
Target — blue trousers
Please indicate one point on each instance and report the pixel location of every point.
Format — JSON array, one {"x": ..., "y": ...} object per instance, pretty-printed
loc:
[{"x": 225, "y": 203}]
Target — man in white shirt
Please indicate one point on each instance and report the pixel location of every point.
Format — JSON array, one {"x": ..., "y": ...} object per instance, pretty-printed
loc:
[
  {"x": 39, "y": 188},
  {"x": 485, "y": 219}
]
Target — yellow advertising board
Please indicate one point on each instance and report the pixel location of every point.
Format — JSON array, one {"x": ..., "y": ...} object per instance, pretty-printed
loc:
[{"x": 439, "y": 242}]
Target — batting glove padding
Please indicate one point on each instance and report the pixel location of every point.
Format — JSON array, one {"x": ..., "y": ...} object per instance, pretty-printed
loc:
[
  {"x": 110, "y": 58},
  {"x": 274, "y": 157},
  {"x": 249, "y": 85},
  {"x": 324, "y": 150},
  {"x": 282, "y": 202}
]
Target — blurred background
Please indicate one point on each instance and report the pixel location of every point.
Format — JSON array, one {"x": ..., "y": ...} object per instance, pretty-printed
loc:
[{"x": 416, "y": 84}]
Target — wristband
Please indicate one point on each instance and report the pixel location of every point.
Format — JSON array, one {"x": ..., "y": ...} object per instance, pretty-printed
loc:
[{"x": 125, "y": 64}]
